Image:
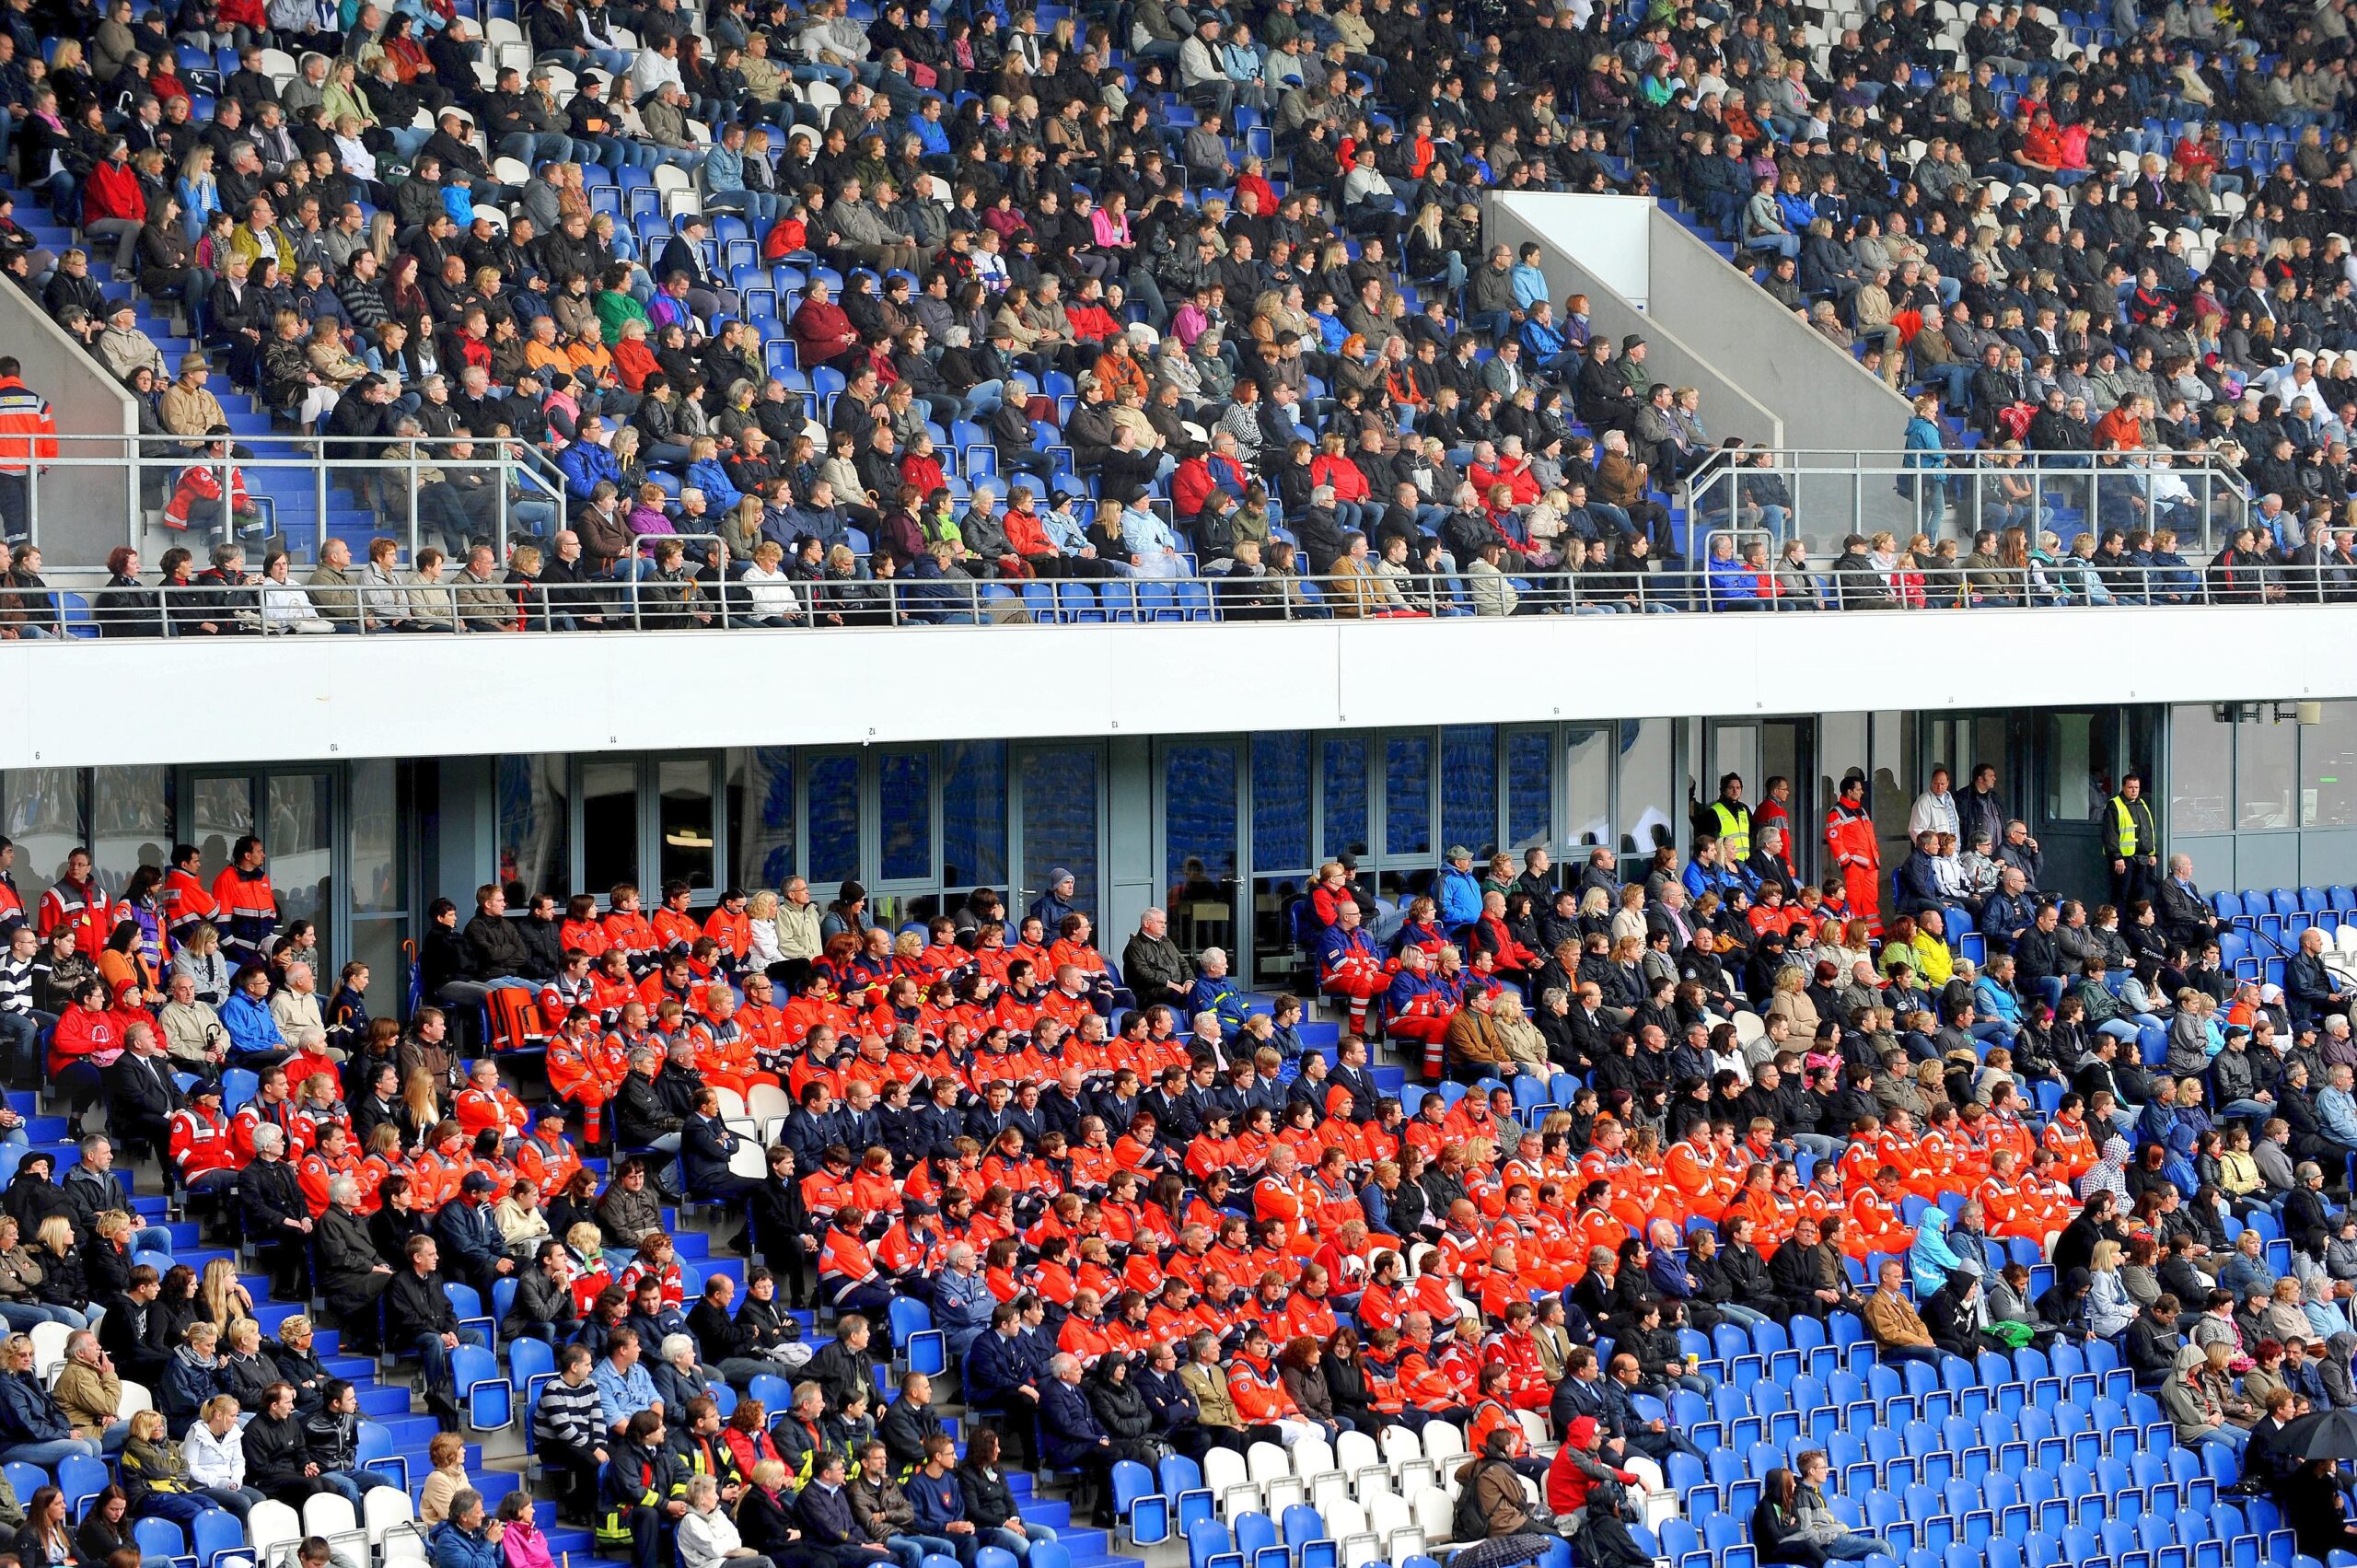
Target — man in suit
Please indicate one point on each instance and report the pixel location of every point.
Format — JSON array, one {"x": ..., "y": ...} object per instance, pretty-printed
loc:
[
  {"x": 1352, "y": 1073},
  {"x": 2184, "y": 914},
  {"x": 1070, "y": 1437},
  {"x": 707, "y": 1143},
  {"x": 823, "y": 1510},
  {"x": 141, "y": 1093}
]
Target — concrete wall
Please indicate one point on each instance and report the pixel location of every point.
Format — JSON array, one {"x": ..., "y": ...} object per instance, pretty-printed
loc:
[
  {"x": 1824, "y": 399},
  {"x": 345, "y": 697},
  {"x": 81, "y": 510},
  {"x": 1554, "y": 223}
]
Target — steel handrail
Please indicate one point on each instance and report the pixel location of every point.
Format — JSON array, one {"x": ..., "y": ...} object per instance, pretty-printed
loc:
[{"x": 78, "y": 608}]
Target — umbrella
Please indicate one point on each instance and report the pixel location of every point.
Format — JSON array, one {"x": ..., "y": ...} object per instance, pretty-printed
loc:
[{"x": 2327, "y": 1434}]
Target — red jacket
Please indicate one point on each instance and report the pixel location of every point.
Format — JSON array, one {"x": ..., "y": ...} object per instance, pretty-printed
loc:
[
  {"x": 112, "y": 191},
  {"x": 821, "y": 332}
]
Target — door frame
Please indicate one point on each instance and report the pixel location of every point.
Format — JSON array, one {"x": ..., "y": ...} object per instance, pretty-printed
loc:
[{"x": 334, "y": 919}]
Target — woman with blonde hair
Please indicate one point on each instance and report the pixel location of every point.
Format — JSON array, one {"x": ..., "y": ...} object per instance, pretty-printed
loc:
[
  {"x": 421, "y": 1105},
  {"x": 63, "y": 1289},
  {"x": 213, "y": 1454},
  {"x": 221, "y": 1300}
]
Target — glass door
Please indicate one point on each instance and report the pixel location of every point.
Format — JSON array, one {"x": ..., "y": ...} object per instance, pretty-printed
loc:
[
  {"x": 1058, "y": 820},
  {"x": 293, "y": 811},
  {"x": 1197, "y": 780}
]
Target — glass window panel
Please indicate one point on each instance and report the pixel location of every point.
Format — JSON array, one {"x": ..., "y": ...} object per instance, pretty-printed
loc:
[
  {"x": 1408, "y": 794},
  {"x": 298, "y": 832},
  {"x": 1060, "y": 823},
  {"x": 1279, "y": 802},
  {"x": 1198, "y": 815},
  {"x": 904, "y": 788},
  {"x": 1468, "y": 786},
  {"x": 1587, "y": 784},
  {"x": 2082, "y": 766},
  {"x": 610, "y": 825},
  {"x": 1645, "y": 819},
  {"x": 2328, "y": 769},
  {"x": 224, "y": 809},
  {"x": 974, "y": 814},
  {"x": 1199, "y": 834},
  {"x": 2202, "y": 771},
  {"x": 761, "y": 816},
  {"x": 131, "y": 820},
  {"x": 376, "y": 837},
  {"x": 2265, "y": 756},
  {"x": 1276, "y": 956},
  {"x": 1530, "y": 789},
  {"x": 1345, "y": 794},
  {"x": 377, "y": 944},
  {"x": 833, "y": 832},
  {"x": 533, "y": 820},
  {"x": 683, "y": 794},
  {"x": 43, "y": 808}
]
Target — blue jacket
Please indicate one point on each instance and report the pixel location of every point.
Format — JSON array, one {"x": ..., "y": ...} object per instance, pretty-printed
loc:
[
  {"x": 249, "y": 1023},
  {"x": 450, "y": 1547},
  {"x": 1068, "y": 1431},
  {"x": 472, "y": 1235},
  {"x": 995, "y": 1367},
  {"x": 1460, "y": 898},
  {"x": 27, "y": 1414},
  {"x": 961, "y": 1308},
  {"x": 1996, "y": 1002},
  {"x": 583, "y": 464},
  {"x": 1530, "y": 285},
  {"x": 2006, "y": 915},
  {"x": 1222, "y": 996},
  {"x": 719, "y": 495}
]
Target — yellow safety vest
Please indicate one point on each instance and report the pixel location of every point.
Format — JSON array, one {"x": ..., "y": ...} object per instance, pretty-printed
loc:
[
  {"x": 1735, "y": 832},
  {"x": 2125, "y": 824}
]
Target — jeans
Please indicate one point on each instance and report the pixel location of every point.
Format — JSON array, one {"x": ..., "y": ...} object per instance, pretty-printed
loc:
[
  {"x": 1928, "y": 1354},
  {"x": 2236, "y": 1111},
  {"x": 344, "y": 1484},
  {"x": 912, "y": 1550},
  {"x": 49, "y": 1455},
  {"x": 239, "y": 1501},
  {"x": 2233, "y": 1439},
  {"x": 1020, "y": 1545},
  {"x": 24, "y": 1315},
  {"x": 20, "y": 1034},
  {"x": 436, "y": 1357},
  {"x": 1742, "y": 1317},
  {"x": 1855, "y": 1547}
]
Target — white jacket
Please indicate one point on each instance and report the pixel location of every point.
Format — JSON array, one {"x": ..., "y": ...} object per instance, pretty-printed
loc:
[
  {"x": 706, "y": 1538},
  {"x": 215, "y": 1461}
]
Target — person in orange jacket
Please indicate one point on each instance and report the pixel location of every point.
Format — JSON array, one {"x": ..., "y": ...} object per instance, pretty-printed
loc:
[
  {"x": 2067, "y": 1135},
  {"x": 484, "y": 1104},
  {"x": 1875, "y": 1224},
  {"x": 731, "y": 927},
  {"x": 629, "y": 930},
  {"x": 332, "y": 1158},
  {"x": 675, "y": 929},
  {"x": 1851, "y": 843},
  {"x": 203, "y": 1152}
]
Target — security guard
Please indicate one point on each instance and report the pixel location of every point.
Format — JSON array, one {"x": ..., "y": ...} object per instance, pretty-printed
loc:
[
  {"x": 2133, "y": 843},
  {"x": 1730, "y": 820}
]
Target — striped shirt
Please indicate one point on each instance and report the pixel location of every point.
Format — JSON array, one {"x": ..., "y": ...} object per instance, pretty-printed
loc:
[{"x": 569, "y": 1413}]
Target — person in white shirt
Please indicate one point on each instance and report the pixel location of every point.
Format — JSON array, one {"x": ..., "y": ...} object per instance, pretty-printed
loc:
[
  {"x": 770, "y": 590},
  {"x": 708, "y": 1537}
]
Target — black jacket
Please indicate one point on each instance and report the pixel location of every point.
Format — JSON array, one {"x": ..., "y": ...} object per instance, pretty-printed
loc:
[{"x": 415, "y": 1307}]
